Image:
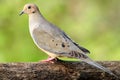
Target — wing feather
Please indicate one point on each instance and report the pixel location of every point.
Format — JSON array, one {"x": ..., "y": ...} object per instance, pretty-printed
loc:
[{"x": 57, "y": 43}]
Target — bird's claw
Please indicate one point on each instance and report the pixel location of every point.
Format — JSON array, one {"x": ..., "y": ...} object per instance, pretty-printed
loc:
[{"x": 50, "y": 60}]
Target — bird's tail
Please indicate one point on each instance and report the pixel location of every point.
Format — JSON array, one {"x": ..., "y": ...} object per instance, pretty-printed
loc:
[{"x": 93, "y": 63}]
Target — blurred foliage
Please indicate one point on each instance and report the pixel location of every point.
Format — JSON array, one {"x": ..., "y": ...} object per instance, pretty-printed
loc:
[{"x": 94, "y": 24}]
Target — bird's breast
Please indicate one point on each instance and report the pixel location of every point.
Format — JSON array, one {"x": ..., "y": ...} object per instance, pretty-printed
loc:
[{"x": 32, "y": 27}]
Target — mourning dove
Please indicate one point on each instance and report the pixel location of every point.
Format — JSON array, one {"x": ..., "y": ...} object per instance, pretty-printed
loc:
[{"x": 54, "y": 41}]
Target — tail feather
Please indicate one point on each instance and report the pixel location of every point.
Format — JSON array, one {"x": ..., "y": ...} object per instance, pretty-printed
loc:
[
  {"x": 86, "y": 59},
  {"x": 93, "y": 63}
]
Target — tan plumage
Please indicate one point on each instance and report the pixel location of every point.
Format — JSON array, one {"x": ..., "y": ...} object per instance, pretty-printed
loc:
[{"x": 54, "y": 41}]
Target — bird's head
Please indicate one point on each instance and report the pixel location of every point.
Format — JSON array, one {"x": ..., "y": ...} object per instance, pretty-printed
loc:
[{"x": 29, "y": 9}]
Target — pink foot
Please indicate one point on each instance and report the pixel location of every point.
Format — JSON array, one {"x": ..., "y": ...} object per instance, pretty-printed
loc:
[{"x": 49, "y": 60}]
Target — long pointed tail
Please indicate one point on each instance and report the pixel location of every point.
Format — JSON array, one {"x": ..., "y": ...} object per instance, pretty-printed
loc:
[{"x": 93, "y": 63}]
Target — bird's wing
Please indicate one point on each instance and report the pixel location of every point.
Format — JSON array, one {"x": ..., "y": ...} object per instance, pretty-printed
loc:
[
  {"x": 57, "y": 43},
  {"x": 81, "y": 48}
]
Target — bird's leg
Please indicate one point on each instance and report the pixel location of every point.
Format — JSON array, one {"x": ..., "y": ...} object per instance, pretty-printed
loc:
[{"x": 50, "y": 59}]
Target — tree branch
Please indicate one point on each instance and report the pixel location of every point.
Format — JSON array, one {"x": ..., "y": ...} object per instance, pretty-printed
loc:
[{"x": 60, "y": 70}]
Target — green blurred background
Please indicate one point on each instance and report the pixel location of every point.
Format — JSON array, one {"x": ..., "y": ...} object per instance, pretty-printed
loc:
[{"x": 94, "y": 24}]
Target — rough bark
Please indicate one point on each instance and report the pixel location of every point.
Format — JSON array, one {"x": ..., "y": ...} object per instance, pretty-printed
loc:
[{"x": 60, "y": 70}]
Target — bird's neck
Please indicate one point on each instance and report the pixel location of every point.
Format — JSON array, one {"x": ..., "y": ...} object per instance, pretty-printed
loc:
[{"x": 35, "y": 19}]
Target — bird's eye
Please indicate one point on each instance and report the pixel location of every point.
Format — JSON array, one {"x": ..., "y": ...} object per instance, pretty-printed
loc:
[{"x": 29, "y": 7}]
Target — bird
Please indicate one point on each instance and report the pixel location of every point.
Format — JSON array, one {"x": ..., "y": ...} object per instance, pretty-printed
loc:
[{"x": 53, "y": 41}]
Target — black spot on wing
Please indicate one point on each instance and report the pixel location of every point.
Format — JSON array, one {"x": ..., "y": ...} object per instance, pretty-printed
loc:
[
  {"x": 68, "y": 45},
  {"x": 63, "y": 45},
  {"x": 75, "y": 54},
  {"x": 56, "y": 44},
  {"x": 52, "y": 40}
]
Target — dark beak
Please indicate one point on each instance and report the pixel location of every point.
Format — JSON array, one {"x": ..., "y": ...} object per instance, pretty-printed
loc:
[{"x": 22, "y": 12}]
